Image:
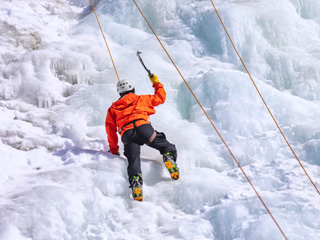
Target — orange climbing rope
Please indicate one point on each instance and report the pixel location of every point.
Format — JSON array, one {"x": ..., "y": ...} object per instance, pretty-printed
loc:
[
  {"x": 114, "y": 66},
  {"x": 275, "y": 121},
  {"x": 204, "y": 111}
]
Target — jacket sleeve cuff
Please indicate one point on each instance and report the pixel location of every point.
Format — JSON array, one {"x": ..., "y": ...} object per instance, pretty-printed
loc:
[
  {"x": 157, "y": 84},
  {"x": 114, "y": 150}
]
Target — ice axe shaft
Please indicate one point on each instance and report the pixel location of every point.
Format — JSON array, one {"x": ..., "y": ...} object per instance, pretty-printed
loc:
[{"x": 140, "y": 59}]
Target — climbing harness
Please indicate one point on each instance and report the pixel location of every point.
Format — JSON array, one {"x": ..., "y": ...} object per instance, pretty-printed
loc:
[
  {"x": 129, "y": 123},
  {"x": 256, "y": 87},
  {"x": 105, "y": 40},
  {"x": 217, "y": 131}
]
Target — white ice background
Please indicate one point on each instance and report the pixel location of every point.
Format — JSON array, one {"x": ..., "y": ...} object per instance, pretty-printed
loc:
[{"x": 57, "y": 180}]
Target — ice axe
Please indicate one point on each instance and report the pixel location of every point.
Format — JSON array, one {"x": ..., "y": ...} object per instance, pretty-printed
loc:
[{"x": 140, "y": 59}]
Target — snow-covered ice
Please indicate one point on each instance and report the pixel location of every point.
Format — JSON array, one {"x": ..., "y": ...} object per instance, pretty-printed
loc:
[{"x": 57, "y": 180}]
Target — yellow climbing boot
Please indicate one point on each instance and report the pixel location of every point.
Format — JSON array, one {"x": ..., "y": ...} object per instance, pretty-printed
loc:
[
  {"x": 136, "y": 185},
  {"x": 171, "y": 165}
]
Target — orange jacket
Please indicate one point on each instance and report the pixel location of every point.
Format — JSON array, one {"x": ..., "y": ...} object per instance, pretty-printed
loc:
[{"x": 129, "y": 108}]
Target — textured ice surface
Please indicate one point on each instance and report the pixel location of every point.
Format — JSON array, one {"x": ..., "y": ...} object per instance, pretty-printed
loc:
[{"x": 57, "y": 81}]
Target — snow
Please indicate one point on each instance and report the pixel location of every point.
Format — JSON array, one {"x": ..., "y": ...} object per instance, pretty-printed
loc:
[{"x": 57, "y": 81}]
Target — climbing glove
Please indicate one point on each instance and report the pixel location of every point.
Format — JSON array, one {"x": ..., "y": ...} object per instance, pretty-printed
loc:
[
  {"x": 117, "y": 153},
  {"x": 154, "y": 79}
]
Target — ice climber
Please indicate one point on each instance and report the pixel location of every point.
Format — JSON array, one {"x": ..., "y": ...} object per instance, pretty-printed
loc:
[{"x": 129, "y": 115}]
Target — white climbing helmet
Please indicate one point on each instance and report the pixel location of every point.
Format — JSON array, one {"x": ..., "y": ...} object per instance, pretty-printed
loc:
[{"x": 124, "y": 86}]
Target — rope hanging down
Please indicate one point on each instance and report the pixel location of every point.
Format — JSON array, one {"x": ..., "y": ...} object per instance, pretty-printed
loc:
[
  {"x": 275, "y": 121},
  {"x": 204, "y": 111},
  {"x": 114, "y": 66}
]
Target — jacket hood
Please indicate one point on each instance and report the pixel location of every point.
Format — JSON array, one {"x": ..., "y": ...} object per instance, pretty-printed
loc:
[{"x": 125, "y": 101}]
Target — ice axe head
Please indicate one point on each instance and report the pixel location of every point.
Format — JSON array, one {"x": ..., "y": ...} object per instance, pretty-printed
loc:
[{"x": 140, "y": 59}]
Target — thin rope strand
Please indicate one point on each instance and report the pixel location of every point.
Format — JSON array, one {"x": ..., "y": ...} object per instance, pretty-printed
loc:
[
  {"x": 256, "y": 87},
  {"x": 204, "y": 111},
  {"x": 114, "y": 66}
]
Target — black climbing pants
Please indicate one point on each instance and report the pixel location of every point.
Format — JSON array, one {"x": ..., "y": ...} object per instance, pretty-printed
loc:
[{"x": 138, "y": 136}]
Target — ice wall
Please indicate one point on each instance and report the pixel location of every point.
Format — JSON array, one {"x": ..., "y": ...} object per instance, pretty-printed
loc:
[
  {"x": 284, "y": 55},
  {"x": 278, "y": 43},
  {"x": 57, "y": 81}
]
